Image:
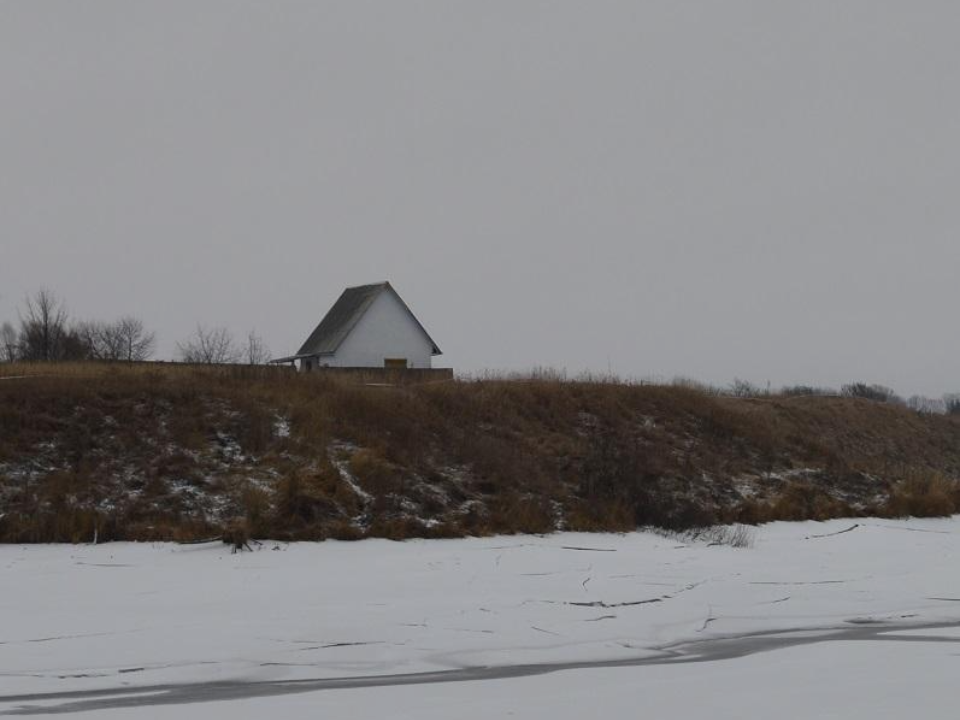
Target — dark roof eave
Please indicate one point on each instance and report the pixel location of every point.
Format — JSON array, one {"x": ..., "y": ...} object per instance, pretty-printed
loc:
[
  {"x": 340, "y": 319},
  {"x": 283, "y": 360},
  {"x": 299, "y": 356}
]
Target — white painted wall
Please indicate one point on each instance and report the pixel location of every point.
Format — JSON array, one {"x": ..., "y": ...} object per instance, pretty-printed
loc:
[{"x": 386, "y": 330}]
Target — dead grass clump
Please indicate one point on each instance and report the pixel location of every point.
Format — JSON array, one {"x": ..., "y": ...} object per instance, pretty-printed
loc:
[
  {"x": 804, "y": 501},
  {"x": 168, "y": 528},
  {"x": 237, "y": 535},
  {"x": 395, "y": 528},
  {"x": 254, "y": 427},
  {"x": 924, "y": 494},
  {"x": 300, "y": 508},
  {"x": 582, "y": 516},
  {"x": 749, "y": 512},
  {"x": 63, "y": 524},
  {"x": 377, "y": 475},
  {"x": 177, "y": 464},
  {"x": 187, "y": 427},
  {"x": 511, "y": 514},
  {"x": 473, "y": 519},
  {"x": 405, "y": 528},
  {"x": 343, "y": 530},
  {"x": 256, "y": 510}
]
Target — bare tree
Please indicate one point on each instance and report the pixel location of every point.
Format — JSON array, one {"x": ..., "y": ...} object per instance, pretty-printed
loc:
[
  {"x": 43, "y": 326},
  {"x": 109, "y": 342},
  {"x": 135, "y": 343},
  {"x": 745, "y": 389},
  {"x": 88, "y": 334},
  {"x": 124, "y": 339},
  {"x": 9, "y": 343},
  {"x": 255, "y": 352},
  {"x": 74, "y": 346},
  {"x": 209, "y": 346}
]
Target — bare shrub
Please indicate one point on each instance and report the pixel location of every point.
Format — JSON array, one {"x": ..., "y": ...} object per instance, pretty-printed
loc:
[
  {"x": 736, "y": 536},
  {"x": 692, "y": 384},
  {"x": 209, "y": 346},
  {"x": 255, "y": 352},
  {"x": 877, "y": 393},
  {"x": 745, "y": 389},
  {"x": 256, "y": 510},
  {"x": 237, "y": 536},
  {"x": 807, "y": 391}
]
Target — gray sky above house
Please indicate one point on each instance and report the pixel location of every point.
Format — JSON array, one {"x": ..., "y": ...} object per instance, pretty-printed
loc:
[{"x": 765, "y": 190}]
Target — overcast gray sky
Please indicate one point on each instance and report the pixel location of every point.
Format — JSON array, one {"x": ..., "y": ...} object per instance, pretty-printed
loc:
[{"x": 765, "y": 190}]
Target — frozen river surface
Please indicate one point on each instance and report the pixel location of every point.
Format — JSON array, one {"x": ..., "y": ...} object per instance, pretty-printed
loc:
[{"x": 846, "y": 619}]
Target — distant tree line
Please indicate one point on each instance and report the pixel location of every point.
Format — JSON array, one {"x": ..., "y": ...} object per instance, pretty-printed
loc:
[
  {"x": 46, "y": 333},
  {"x": 948, "y": 404}
]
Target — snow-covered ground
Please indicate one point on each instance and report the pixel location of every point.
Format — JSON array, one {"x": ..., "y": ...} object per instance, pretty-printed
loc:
[{"x": 810, "y": 621}]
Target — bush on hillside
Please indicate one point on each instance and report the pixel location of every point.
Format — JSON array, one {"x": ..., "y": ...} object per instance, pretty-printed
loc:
[{"x": 877, "y": 393}]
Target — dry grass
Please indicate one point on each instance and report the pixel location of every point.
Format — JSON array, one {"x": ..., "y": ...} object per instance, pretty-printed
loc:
[
  {"x": 924, "y": 494},
  {"x": 168, "y": 451}
]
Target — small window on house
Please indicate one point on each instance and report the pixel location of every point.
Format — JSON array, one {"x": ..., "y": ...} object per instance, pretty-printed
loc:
[{"x": 395, "y": 363}]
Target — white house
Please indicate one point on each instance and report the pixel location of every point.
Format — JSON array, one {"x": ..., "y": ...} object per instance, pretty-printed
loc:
[{"x": 369, "y": 326}]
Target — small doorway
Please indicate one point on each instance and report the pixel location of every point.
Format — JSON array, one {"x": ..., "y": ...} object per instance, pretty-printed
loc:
[{"x": 395, "y": 363}]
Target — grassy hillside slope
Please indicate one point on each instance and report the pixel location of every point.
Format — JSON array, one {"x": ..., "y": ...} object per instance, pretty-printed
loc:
[{"x": 155, "y": 452}]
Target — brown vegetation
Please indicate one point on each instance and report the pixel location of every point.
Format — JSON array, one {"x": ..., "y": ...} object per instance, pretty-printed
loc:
[{"x": 163, "y": 451}]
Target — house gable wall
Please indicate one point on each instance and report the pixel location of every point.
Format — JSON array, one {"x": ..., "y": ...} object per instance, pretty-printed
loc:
[{"x": 386, "y": 330}]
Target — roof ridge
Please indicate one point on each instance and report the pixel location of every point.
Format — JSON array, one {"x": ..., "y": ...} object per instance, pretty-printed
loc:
[{"x": 383, "y": 283}]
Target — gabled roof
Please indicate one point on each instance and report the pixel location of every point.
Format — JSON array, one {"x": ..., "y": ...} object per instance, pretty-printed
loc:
[{"x": 345, "y": 314}]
